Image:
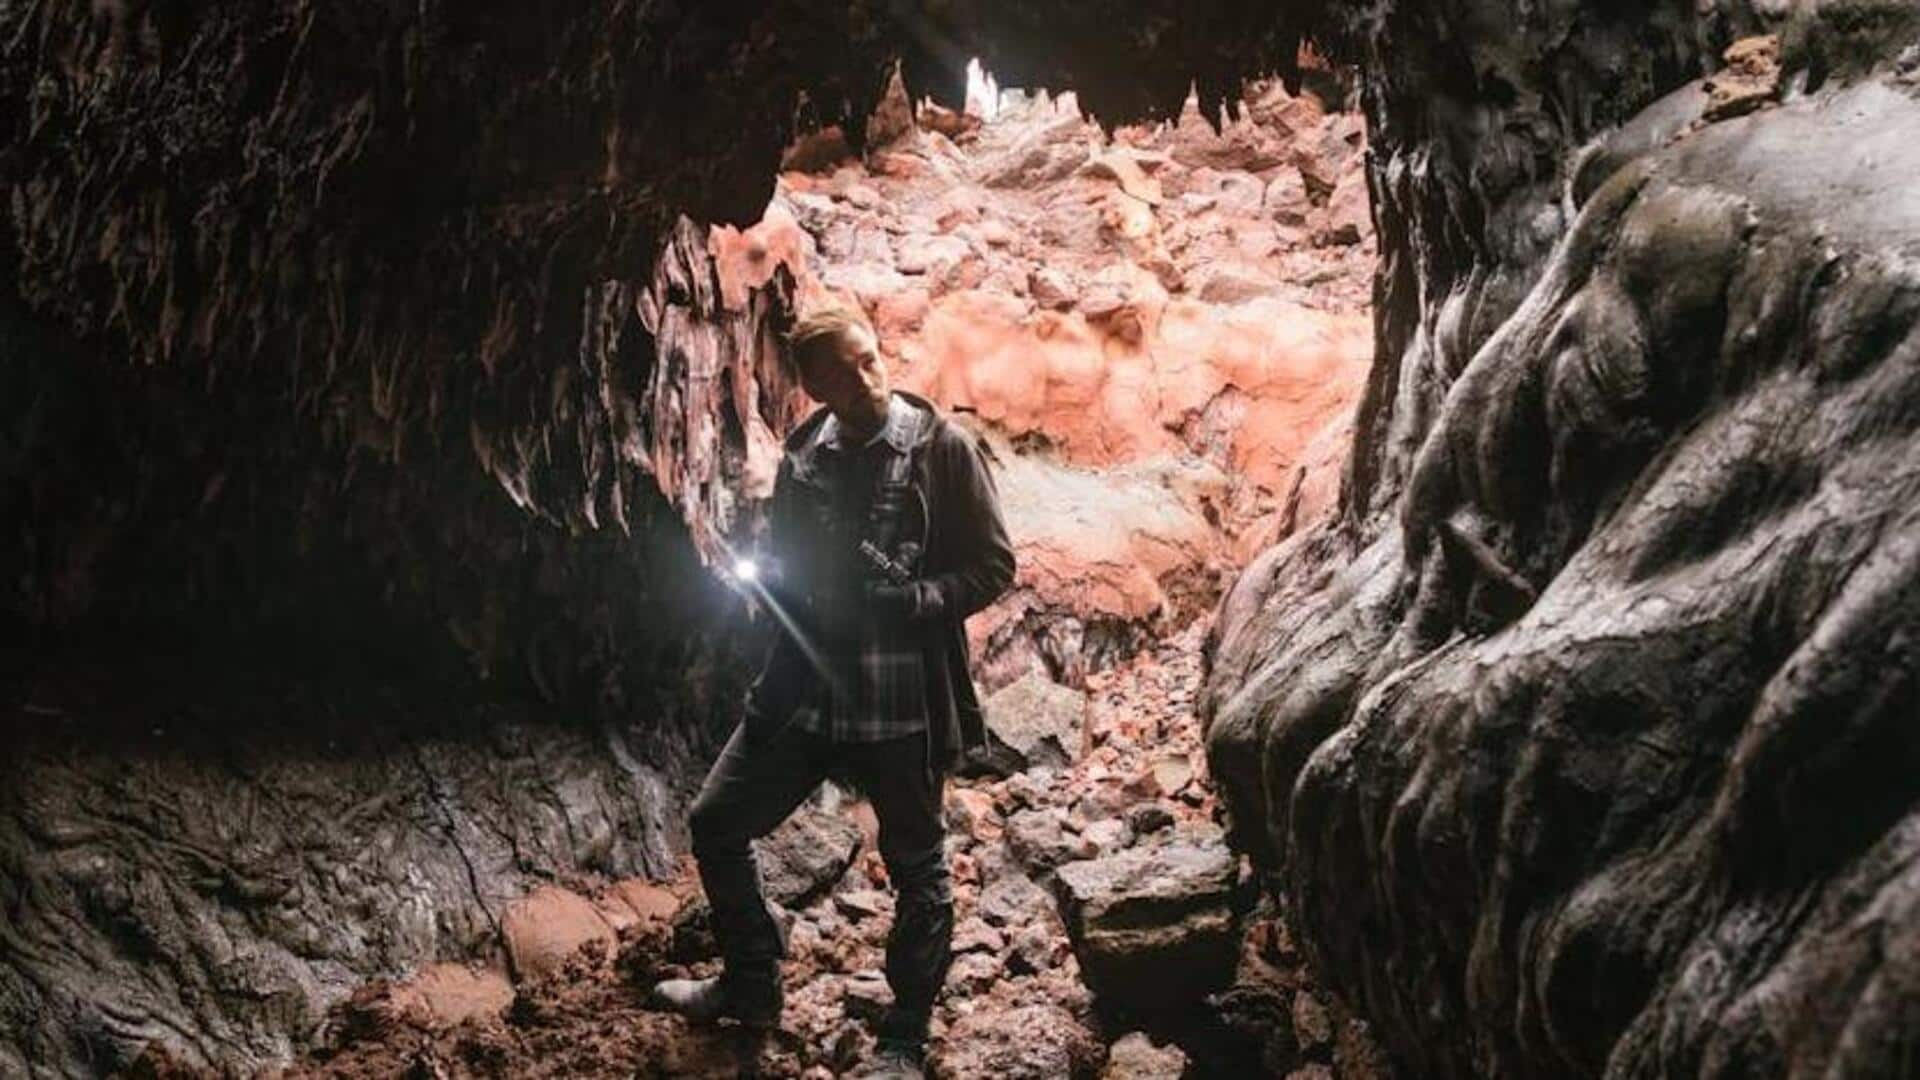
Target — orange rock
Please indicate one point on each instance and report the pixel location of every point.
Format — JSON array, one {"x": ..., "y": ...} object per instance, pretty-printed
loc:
[
  {"x": 448, "y": 995},
  {"x": 634, "y": 901},
  {"x": 547, "y": 926},
  {"x": 746, "y": 260}
]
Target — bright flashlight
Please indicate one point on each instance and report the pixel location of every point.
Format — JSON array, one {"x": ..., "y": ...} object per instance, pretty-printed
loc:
[{"x": 746, "y": 569}]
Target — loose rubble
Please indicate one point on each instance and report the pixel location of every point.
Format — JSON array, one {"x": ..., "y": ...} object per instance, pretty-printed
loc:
[{"x": 1103, "y": 929}]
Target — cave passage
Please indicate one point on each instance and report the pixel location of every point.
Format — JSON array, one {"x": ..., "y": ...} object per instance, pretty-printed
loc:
[
  {"x": 1158, "y": 336},
  {"x": 1463, "y": 461}
]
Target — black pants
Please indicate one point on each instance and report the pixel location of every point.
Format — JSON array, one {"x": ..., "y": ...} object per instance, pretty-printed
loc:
[{"x": 759, "y": 780}]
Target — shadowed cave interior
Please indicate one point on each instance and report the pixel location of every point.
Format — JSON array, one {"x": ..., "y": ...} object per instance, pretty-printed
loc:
[{"x": 1461, "y": 461}]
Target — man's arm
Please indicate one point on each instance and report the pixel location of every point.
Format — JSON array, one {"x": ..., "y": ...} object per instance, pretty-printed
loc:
[{"x": 983, "y": 564}]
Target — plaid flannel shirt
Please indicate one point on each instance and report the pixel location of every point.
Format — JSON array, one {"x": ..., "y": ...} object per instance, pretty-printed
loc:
[{"x": 877, "y": 688}]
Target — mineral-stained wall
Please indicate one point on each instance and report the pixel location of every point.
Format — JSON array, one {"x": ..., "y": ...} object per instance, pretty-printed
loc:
[{"x": 1586, "y": 743}]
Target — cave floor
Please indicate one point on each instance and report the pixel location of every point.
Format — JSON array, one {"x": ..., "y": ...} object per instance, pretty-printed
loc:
[{"x": 1015, "y": 1003}]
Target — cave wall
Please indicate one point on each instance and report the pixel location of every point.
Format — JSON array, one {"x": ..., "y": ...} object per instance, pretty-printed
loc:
[
  {"x": 1583, "y": 745},
  {"x": 370, "y": 412}
]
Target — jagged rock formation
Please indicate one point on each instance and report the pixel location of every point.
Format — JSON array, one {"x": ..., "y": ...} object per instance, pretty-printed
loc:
[
  {"x": 1160, "y": 336},
  {"x": 1585, "y": 744}
]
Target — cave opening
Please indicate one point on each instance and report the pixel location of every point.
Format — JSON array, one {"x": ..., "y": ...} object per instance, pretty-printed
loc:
[{"x": 1159, "y": 332}]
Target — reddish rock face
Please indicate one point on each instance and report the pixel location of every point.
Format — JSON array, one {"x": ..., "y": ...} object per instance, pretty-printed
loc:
[{"x": 1160, "y": 336}]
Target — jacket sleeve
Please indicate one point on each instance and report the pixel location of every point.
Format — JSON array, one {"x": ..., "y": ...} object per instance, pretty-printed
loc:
[
  {"x": 781, "y": 681},
  {"x": 980, "y": 565}
]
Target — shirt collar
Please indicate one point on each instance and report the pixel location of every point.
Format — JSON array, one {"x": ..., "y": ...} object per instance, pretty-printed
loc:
[{"x": 893, "y": 430}]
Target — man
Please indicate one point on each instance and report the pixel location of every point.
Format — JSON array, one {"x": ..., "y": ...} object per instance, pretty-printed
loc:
[{"x": 886, "y": 533}]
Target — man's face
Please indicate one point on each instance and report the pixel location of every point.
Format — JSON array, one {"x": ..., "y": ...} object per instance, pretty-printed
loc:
[{"x": 844, "y": 372}]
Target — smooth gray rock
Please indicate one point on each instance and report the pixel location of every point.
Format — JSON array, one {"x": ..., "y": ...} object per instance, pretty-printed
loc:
[{"x": 1040, "y": 719}]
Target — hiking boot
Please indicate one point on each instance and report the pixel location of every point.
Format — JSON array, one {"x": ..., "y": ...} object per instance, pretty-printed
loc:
[
  {"x": 754, "y": 1003},
  {"x": 895, "y": 1060}
]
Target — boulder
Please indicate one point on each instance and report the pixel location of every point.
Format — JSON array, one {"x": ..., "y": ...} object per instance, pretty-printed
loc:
[
  {"x": 1153, "y": 925},
  {"x": 1039, "y": 719},
  {"x": 545, "y": 927},
  {"x": 806, "y": 855}
]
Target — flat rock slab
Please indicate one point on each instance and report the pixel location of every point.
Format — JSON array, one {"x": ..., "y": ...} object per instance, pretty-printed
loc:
[
  {"x": 806, "y": 855},
  {"x": 1040, "y": 719},
  {"x": 1153, "y": 925}
]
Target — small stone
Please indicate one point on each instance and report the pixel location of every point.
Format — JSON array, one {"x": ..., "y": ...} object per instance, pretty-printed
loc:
[
  {"x": 865, "y": 996},
  {"x": 1107, "y": 834},
  {"x": 1172, "y": 773},
  {"x": 1149, "y": 817},
  {"x": 1031, "y": 1040},
  {"x": 975, "y": 935},
  {"x": 1039, "y": 840},
  {"x": 1135, "y": 1057},
  {"x": 971, "y": 810},
  {"x": 973, "y": 972},
  {"x": 863, "y": 903},
  {"x": 1051, "y": 288},
  {"x": 1013, "y": 901},
  {"x": 1036, "y": 947}
]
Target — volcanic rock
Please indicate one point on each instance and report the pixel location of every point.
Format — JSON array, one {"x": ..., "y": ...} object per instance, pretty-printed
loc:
[
  {"x": 1012, "y": 900},
  {"x": 545, "y": 928},
  {"x": 1039, "y": 719},
  {"x": 1153, "y": 925},
  {"x": 1030, "y": 1042},
  {"x": 1039, "y": 840},
  {"x": 1135, "y": 1057},
  {"x": 806, "y": 855}
]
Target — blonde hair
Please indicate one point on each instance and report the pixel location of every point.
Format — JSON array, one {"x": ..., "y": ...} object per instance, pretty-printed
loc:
[{"x": 821, "y": 323}]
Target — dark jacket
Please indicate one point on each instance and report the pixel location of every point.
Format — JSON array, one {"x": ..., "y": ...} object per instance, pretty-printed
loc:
[{"x": 968, "y": 560}]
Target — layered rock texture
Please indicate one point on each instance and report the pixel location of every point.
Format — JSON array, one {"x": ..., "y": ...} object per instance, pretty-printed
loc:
[{"x": 1584, "y": 744}]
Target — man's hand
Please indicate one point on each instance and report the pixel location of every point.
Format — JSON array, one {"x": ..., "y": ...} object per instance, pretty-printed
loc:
[{"x": 916, "y": 601}]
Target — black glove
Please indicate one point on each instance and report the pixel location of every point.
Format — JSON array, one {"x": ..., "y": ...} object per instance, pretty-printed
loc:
[{"x": 915, "y": 601}]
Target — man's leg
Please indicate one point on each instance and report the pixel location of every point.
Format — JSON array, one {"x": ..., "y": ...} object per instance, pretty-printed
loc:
[
  {"x": 755, "y": 784},
  {"x": 906, "y": 797}
]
